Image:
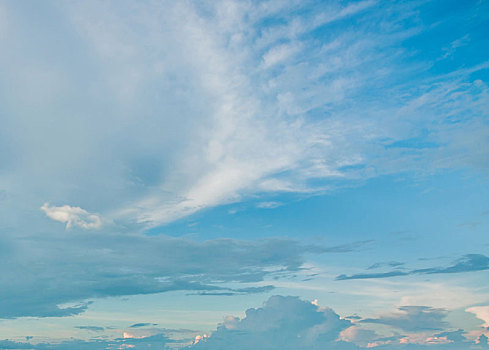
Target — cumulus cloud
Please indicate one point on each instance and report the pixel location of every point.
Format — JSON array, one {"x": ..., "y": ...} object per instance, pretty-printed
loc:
[
  {"x": 72, "y": 216},
  {"x": 290, "y": 323},
  {"x": 282, "y": 323}
]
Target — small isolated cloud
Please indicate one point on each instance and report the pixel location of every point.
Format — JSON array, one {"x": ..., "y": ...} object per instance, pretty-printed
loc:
[
  {"x": 371, "y": 275},
  {"x": 139, "y": 325},
  {"x": 268, "y": 205},
  {"x": 72, "y": 216},
  {"x": 383, "y": 264},
  {"x": 91, "y": 328},
  {"x": 347, "y": 247},
  {"x": 238, "y": 291}
]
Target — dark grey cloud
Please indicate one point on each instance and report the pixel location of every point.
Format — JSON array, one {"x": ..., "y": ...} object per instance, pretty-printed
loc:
[
  {"x": 413, "y": 319},
  {"x": 346, "y": 248},
  {"x": 76, "y": 267},
  {"x": 371, "y": 275},
  {"x": 385, "y": 264},
  {"x": 91, "y": 328},
  {"x": 238, "y": 291},
  {"x": 221, "y": 294},
  {"x": 139, "y": 325},
  {"x": 252, "y": 290},
  {"x": 468, "y": 263},
  {"x": 353, "y": 317}
]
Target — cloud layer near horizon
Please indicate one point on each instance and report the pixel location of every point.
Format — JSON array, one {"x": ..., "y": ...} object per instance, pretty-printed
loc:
[{"x": 289, "y": 323}]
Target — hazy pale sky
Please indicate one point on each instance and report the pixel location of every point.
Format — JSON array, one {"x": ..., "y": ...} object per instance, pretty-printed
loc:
[{"x": 236, "y": 175}]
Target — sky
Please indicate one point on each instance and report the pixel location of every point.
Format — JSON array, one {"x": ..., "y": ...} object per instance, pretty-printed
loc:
[{"x": 235, "y": 175}]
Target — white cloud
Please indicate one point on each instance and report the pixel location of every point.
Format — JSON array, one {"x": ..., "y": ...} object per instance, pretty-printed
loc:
[
  {"x": 199, "y": 111},
  {"x": 290, "y": 323},
  {"x": 268, "y": 205},
  {"x": 72, "y": 216},
  {"x": 282, "y": 323},
  {"x": 278, "y": 54}
]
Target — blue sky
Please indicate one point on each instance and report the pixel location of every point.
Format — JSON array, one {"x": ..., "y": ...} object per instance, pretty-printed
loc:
[{"x": 244, "y": 174}]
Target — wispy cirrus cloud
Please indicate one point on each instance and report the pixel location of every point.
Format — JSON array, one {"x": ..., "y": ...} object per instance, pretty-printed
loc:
[{"x": 276, "y": 107}]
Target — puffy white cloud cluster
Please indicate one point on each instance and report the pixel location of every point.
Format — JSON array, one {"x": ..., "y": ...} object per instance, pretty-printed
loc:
[{"x": 285, "y": 323}]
